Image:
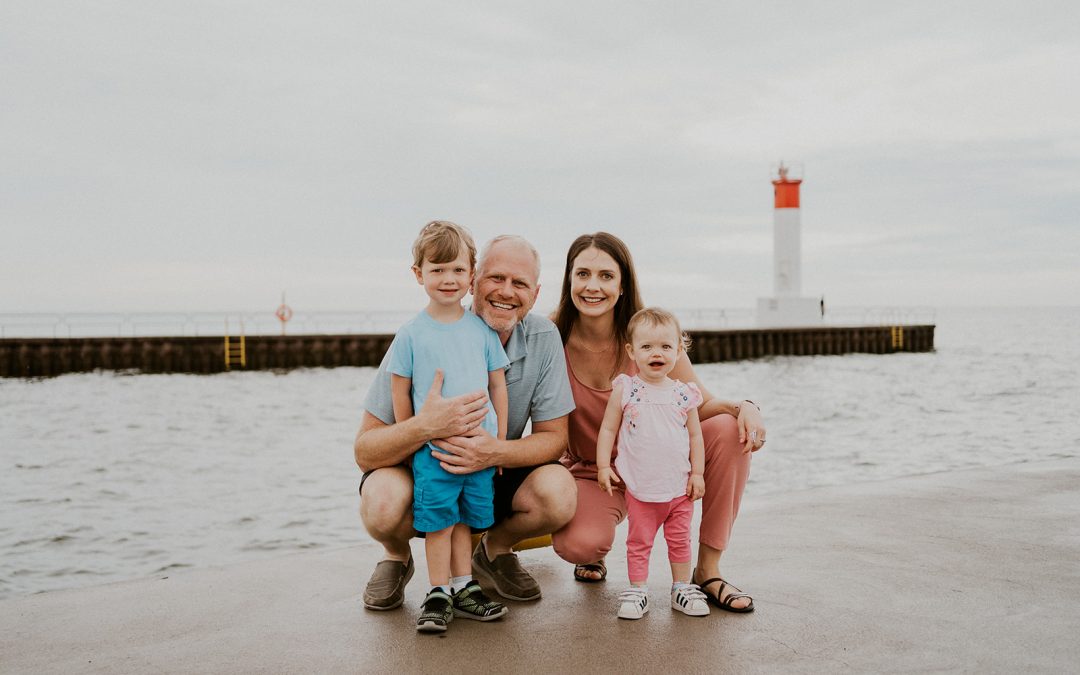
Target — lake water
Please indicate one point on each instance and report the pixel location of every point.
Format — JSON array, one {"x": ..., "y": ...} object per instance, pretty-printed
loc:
[{"x": 105, "y": 476}]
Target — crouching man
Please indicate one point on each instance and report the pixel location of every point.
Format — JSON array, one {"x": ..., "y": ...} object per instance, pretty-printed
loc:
[{"x": 534, "y": 495}]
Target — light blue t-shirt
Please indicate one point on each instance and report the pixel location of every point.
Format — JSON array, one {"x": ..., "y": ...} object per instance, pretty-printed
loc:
[{"x": 466, "y": 350}]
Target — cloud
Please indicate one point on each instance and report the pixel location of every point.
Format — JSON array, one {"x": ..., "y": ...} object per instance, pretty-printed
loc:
[{"x": 228, "y": 151}]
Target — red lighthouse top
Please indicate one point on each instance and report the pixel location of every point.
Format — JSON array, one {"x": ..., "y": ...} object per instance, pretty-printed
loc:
[{"x": 786, "y": 190}]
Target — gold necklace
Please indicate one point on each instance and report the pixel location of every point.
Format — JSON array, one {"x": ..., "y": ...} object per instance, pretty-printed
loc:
[{"x": 587, "y": 348}]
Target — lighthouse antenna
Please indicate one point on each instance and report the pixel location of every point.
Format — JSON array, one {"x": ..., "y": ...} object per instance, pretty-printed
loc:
[{"x": 785, "y": 172}]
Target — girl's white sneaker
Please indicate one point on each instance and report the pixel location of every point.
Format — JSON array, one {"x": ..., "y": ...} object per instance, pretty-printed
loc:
[
  {"x": 633, "y": 603},
  {"x": 690, "y": 600}
]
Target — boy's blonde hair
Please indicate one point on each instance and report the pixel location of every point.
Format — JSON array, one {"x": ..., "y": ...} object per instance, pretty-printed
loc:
[
  {"x": 441, "y": 241},
  {"x": 654, "y": 316}
]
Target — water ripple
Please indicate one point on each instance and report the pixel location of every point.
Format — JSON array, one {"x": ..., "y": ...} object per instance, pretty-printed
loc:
[{"x": 116, "y": 476}]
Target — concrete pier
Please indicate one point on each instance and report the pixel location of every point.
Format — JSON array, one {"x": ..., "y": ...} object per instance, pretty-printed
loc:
[
  {"x": 971, "y": 571},
  {"x": 47, "y": 357}
]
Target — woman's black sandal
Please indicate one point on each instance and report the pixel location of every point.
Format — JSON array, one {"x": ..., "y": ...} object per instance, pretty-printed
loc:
[
  {"x": 725, "y": 604},
  {"x": 590, "y": 567}
]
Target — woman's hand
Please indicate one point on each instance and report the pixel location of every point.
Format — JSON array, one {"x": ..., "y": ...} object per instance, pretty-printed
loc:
[
  {"x": 751, "y": 427},
  {"x": 605, "y": 477},
  {"x": 695, "y": 487}
]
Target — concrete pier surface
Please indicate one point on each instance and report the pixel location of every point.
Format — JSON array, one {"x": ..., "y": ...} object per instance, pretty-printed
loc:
[{"x": 970, "y": 571}]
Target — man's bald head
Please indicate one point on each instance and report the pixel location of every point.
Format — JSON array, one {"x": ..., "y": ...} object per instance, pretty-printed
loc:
[
  {"x": 507, "y": 283},
  {"x": 507, "y": 242}
]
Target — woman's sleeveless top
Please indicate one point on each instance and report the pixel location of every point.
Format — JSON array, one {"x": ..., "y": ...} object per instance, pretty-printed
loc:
[{"x": 584, "y": 424}]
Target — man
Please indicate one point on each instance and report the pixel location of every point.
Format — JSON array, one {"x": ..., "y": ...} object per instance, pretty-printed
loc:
[{"x": 533, "y": 496}]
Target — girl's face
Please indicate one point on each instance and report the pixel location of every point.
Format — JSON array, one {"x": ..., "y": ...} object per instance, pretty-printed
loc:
[
  {"x": 445, "y": 283},
  {"x": 654, "y": 349},
  {"x": 595, "y": 283}
]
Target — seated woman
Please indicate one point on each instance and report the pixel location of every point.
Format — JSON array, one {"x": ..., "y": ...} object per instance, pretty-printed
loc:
[{"x": 599, "y": 295}]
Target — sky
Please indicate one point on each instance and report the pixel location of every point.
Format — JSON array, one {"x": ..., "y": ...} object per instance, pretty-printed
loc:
[{"x": 207, "y": 156}]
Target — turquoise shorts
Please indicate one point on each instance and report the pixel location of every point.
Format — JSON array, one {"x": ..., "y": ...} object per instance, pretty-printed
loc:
[{"x": 442, "y": 499}]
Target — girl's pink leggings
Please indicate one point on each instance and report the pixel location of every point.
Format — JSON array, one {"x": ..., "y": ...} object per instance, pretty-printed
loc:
[
  {"x": 587, "y": 538},
  {"x": 645, "y": 519}
]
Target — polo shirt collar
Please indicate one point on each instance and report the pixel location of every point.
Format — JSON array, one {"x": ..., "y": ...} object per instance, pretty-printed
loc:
[{"x": 517, "y": 346}]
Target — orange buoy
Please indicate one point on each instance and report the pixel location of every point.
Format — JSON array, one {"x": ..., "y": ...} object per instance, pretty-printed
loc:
[{"x": 283, "y": 313}]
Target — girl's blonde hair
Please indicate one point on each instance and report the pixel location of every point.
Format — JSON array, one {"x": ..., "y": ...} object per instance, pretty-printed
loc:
[
  {"x": 654, "y": 316},
  {"x": 441, "y": 241}
]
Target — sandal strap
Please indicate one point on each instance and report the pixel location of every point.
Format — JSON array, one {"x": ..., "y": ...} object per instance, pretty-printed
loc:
[
  {"x": 723, "y": 585},
  {"x": 720, "y": 591},
  {"x": 591, "y": 567}
]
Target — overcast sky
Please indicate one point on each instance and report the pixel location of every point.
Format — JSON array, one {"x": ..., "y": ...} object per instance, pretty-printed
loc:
[{"x": 208, "y": 155}]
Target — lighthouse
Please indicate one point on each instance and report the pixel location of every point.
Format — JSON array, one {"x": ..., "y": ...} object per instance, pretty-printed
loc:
[{"x": 787, "y": 306}]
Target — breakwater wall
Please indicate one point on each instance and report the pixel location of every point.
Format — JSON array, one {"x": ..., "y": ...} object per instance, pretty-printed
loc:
[{"x": 46, "y": 357}]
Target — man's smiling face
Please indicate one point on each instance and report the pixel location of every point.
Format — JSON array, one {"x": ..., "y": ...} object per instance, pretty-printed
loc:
[{"x": 506, "y": 285}]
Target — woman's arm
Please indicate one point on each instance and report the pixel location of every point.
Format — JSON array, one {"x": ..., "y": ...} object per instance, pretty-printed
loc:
[
  {"x": 751, "y": 425},
  {"x": 605, "y": 439}
]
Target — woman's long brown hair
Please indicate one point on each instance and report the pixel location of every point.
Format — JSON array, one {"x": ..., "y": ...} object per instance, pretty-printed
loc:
[{"x": 628, "y": 303}]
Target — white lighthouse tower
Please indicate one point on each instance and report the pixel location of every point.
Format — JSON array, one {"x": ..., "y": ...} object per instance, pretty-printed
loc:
[{"x": 787, "y": 307}]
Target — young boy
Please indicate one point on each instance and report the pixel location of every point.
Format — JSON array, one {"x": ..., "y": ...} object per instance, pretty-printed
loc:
[{"x": 445, "y": 336}]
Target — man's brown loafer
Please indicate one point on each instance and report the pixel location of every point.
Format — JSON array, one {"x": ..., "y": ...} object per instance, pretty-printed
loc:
[{"x": 386, "y": 587}]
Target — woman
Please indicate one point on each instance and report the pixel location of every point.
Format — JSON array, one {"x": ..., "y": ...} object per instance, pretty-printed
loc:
[{"x": 599, "y": 295}]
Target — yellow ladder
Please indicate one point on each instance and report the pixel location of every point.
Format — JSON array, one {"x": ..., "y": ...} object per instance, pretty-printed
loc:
[
  {"x": 235, "y": 348},
  {"x": 898, "y": 337}
]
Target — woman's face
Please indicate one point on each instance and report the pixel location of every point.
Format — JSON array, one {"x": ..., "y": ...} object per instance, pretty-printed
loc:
[{"x": 595, "y": 283}]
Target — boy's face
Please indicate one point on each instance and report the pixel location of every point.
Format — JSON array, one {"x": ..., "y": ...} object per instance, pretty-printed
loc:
[{"x": 445, "y": 283}]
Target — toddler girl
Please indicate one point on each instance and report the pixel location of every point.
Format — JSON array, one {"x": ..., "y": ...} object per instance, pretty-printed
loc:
[{"x": 660, "y": 458}]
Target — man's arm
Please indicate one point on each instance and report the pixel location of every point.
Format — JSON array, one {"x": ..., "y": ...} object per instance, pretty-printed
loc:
[
  {"x": 480, "y": 450},
  {"x": 379, "y": 444}
]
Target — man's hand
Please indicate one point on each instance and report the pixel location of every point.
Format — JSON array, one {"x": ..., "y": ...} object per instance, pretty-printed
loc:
[
  {"x": 468, "y": 452},
  {"x": 445, "y": 417}
]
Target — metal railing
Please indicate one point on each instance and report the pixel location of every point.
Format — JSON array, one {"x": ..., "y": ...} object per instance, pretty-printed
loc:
[
  {"x": 720, "y": 319},
  {"x": 194, "y": 324},
  {"x": 880, "y": 316},
  {"x": 199, "y": 324}
]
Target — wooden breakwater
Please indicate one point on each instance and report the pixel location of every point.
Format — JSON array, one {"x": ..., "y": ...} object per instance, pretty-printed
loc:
[{"x": 46, "y": 357}]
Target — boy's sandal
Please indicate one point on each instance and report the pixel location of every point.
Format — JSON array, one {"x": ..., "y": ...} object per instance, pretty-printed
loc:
[
  {"x": 598, "y": 567},
  {"x": 725, "y": 604}
]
